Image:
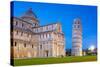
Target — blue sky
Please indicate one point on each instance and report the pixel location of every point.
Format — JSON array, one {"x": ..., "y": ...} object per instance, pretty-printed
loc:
[{"x": 65, "y": 13}]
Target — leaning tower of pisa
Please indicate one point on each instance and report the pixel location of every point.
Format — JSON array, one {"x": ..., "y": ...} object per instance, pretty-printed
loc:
[{"x": 77, "y": 38}]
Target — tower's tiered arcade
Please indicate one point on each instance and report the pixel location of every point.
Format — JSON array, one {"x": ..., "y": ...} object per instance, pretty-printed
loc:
[{"x": 77, "y": 38}]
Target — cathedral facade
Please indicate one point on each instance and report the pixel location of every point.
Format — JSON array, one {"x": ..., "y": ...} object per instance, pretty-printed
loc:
[{"x": 31, "y": 40}]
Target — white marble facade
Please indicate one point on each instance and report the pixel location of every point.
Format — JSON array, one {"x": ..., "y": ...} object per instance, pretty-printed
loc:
[{"x": 30, "y": 40}]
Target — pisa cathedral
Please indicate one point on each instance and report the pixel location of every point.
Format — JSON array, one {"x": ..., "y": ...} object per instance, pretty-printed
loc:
[{"x": 30, "y": 40}]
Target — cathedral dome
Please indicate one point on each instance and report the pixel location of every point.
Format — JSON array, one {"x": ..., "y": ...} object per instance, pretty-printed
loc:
[
  {"x": 29, "y": 13},
  {"x": 30, "y": 17}
]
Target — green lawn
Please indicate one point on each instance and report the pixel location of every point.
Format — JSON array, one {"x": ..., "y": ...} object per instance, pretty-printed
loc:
[{"x": 35, "y": 61}]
